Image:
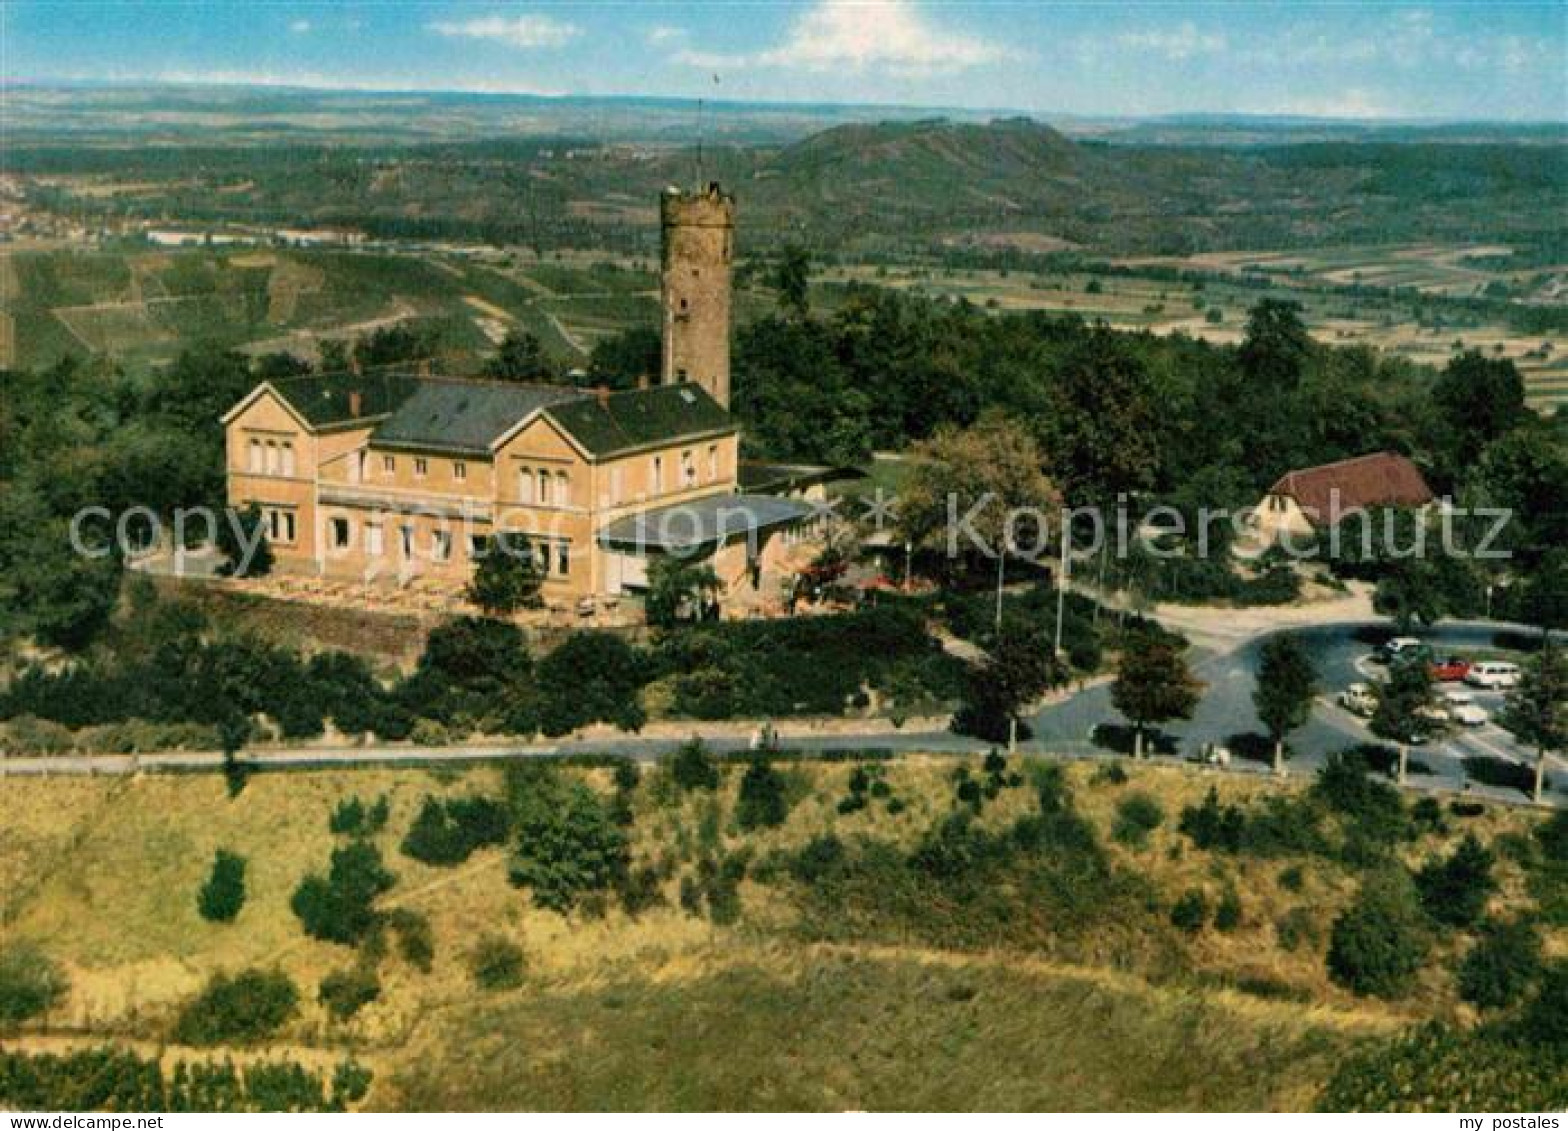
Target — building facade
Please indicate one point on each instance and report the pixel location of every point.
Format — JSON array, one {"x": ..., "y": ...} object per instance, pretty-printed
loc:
[{"x": 392, "y": 477}]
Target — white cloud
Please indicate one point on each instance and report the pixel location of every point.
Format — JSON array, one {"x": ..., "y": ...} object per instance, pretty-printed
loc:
[
  {"x": 663, "y": 35},
  {"x": 851, "y": 35},
  {"x": 1351, "y": 103},
  {"x": 517, "y": 31},
  {"x": 1184, "y": 41},
  {"x": 300, "y": 27}
]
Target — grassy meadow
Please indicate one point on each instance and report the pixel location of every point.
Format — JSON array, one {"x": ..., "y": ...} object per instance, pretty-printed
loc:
[{"x": 669, "y": 1009}]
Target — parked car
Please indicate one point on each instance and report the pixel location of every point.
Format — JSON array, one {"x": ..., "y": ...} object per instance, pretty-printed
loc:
[
  {"x": 1463, "y": 709},
  {"x": 1359, "y": 699},
  {"x": 1400, "y": 648},
  {"x": 1493, "y": 675},
  {"x": 1434, "y": 716},
  {"x": 1451, "y": 669}
]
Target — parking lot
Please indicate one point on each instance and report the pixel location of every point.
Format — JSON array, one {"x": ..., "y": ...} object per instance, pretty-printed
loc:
[{"x": 1342, "y": 657}]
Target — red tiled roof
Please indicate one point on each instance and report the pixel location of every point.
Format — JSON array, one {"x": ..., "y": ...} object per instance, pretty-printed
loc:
[{"x": 1382, "y": 479}]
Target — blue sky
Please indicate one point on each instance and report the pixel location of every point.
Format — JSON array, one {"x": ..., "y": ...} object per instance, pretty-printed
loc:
[{"x": 1500, "y": 60}]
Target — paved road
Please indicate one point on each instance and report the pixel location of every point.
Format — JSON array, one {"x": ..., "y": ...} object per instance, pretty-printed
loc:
[{"x": 1062, "y": 728}]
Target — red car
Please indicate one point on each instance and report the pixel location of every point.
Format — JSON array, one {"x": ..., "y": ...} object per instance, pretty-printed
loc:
[{"x": 1449, "y": 670}]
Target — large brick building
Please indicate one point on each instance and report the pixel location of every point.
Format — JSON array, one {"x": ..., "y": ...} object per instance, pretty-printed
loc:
[{"x": 391, "y": 477}]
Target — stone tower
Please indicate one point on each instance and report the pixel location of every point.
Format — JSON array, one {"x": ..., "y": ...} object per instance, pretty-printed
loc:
[{"x": 697, "y": 235}]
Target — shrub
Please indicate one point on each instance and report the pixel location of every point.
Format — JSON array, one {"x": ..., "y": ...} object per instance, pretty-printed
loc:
[
  {"x": 1544, "y": 1023},
  {"x": 1439, "y": 1068},
  {"x": 1137, "y": 815},
  {"x": 346, "y": 992},
  {"x": 763, "y": 801},
  {"x": 238, "y": 1009},
  {"x": 1298, "y": 927},
  {"x": 353, "y": 817},
  {"x": 448, "y": 832},
  {"x": 1227, "y": 915},
  {"x": 1213, "y": 825},
  {"x": 1502, "y": 965},
  {"x": 222, "y": 896},
  {"x": 415, "y": 942},
  {"x": 31, "y": 983},
  {"x": 591, "y": 677},
  {"x": 1454, "y": 891},
  {"x": 496, "y": 964},
  {"x": 692, "y": 766},
  {"x": 1379, "y": 942},
  {"x": 340, "y": 907},
  {"x": 1374, "y": 807},
  {"x": 1190, "y": 912}
]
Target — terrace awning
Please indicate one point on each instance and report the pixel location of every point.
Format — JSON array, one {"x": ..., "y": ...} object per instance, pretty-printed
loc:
[{"x": 710, "y": 521}]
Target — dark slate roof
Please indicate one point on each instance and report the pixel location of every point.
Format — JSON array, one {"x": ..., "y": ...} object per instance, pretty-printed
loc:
[
  {"x": 702, "y": 522},
  {"x": 465, "y": 416},
  {"x": 323, "y": 401},
  {"x": 621, "y": 422}
]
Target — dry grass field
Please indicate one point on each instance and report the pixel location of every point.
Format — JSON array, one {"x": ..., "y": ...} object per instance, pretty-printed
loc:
[{"x": 667, "y": 1009}]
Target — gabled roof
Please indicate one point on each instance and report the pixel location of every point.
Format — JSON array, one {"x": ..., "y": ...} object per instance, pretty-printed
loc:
[
  {"x": 465, "y": 416},
  {"x": 473, "y": 417},
  {"x": 1382, "y": 479},
  {"x": 607, "y": 425},
  {"x": 327, "y": 400}
]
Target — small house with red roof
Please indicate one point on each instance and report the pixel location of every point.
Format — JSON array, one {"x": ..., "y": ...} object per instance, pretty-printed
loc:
[{"x": 1316, "y": 498}]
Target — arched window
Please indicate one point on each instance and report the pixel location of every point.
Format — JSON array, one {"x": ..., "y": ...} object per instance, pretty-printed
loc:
[{"x": 563, "y": 489}]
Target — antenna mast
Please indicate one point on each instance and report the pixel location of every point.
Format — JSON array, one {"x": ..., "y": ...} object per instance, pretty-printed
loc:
[{"x": 701, "y": 178}]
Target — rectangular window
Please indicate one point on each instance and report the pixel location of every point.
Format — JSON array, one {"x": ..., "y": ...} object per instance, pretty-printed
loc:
[
  {"x": 544, "y": 488},
  {"x": 254, "y": 464},
  {"x": 389, "y": 464},
  {"x": 340, "y": 533},
  {"x": 658, "y": 474},
  {"x": 280, "y": 526},
  {"x": 477, "y": 544},
  {"x": 563, "y": 558},
  {"x": 288, "y": 458},
  {"x": 373, "y": 543},
  {"x": 563, "y": 489},
  {"x": 459, "y": 471},
  {"x": 688, "y": 469},
  {"x": 272, "y": 457},
  {"x": 407, "y": 534},
  {"x": 441, "y": 545},
  {"x": 420, "y": 466},
  {"x": 525, "y": 485},
  {"x": 713, "y": 461}
]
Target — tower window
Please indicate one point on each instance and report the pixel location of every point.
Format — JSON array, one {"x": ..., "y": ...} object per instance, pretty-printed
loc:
[{"x": 339, "y": 533}]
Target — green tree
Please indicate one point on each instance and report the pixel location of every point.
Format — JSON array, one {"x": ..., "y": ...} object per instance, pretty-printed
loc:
[
  {"x": 676, "y": 588},
  {"x": 1403, "y": 707},
  {"x": 497, "y": 963},
  {"x": 792, "y": 280},
  {"x": 1478, "y": 400},
  {"x": 1454, "y": 891},
  {"x": 626, "y": 359},
  {"x": 507, "y": 578},
  {"x": 591, "y": 677},
  {"x": 1287, "y": 683},
  {"x": 340, "y": 906},
  {"x": 1502, "y": 965},
  {"x": 222, "y": 896},
  {"x": 763, "y": 801},
  {"x": 567, "y": 844},
  {"x": 976, "y": 494},
  {"x": 1153, "y": 685},
  {"x": 693, "y": 766},
  {"x": 1102, "y": 433},
  {"x": 238, "y": 530},
  {"x": 521, "y": 357},
  {"x": 1379, "y": 942},
  {"x": 1537, "y": 710}
]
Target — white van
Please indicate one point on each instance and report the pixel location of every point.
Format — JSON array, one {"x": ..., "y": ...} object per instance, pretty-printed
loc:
[{"x": 1493, "y": 675}]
